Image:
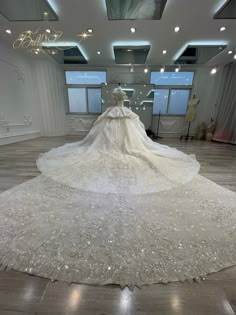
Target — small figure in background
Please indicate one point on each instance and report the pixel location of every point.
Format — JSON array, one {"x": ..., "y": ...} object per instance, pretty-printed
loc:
[
  {"x": 201, "y": 131},
  {"x": 210, "y": 130}
]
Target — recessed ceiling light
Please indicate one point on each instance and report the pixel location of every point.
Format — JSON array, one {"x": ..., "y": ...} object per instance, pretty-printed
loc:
[
  {"x": 99, "y": 52},
  {"x": 222, "y": 29},
  {"x": 164, "y": 52},
  {"x": 133, "y": 29},
  {"x": 36, "y": 52},
  {"x": 176, "y": 69},
  {"x": 48, "y": 30},
  {"x": 128, "y": 50},
  {"x": 177, "y": 29},
  {"x": 235, "y": 56},
  {"x": 213, "y": 71},
  {"x": 230, "y": 52},
  {"x": 146, "y": 70},
  {"x": 162, "y": 69},
  {"x": 90, "y": 30},
  {"x": 8, "y": 31}
]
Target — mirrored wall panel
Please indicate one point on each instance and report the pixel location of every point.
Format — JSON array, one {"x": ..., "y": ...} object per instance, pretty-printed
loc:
[
  {"x": 199, "y": 54},
  {"x": 140, "y": 98}
]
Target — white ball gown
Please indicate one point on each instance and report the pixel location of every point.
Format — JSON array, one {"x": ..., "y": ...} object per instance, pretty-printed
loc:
[
  {"x": 118, "y": 157},
  {"x": 117, "y": 208}
]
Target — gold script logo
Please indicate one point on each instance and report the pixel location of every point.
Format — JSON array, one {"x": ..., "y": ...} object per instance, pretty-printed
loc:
[{"x": 32, "y": 39}]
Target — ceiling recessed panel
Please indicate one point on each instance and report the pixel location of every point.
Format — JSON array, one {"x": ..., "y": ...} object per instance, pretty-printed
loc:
[
  {"x": 66, "y": 56},
  {"x": 197, "y": 54},
  {"x": 26, "y": 10},
  {"x": 227, "y": 11},
  {"x": 135, "y": 9},
  {"x": 131, "y": 54}
]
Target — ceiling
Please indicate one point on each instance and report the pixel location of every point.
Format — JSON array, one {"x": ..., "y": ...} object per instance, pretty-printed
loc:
[{"x": 194, "y": 17}]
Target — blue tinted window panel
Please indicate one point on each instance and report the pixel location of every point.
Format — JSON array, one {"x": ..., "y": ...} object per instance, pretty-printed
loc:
[
  {"x": 85, "y": 77},
  {"x": 94, "y": 100},
  {"x": 178, "y": 102},
  {"x": 172, "y": 78},
  {"x": 77, "y": 100},
  {"x": 160, "y": 101}
]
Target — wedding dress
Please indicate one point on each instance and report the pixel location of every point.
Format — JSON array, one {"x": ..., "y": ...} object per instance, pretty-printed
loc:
[
  {"x": 117, "y": 208},
  {"x": 118, "y": 157}
]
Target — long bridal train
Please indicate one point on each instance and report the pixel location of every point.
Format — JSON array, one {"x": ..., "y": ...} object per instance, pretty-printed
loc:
[
  {"x": 118, "y": 208},
  {"x": 118, "y": 157}
]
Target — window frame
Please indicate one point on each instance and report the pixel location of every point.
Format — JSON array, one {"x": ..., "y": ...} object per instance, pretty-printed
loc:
[
  {"x": 174, "y": 87},
  {"x": 170, "y": 88},
  {"x": 82, "y": 86}
]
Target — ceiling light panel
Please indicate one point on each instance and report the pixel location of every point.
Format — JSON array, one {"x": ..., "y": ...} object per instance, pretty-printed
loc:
[
  {"x": 227, "y": 11},
  {"x": 26, "y": 10},
  {"x": 137, "y": 10},
  {"x": 71, "y": 55},
  {"x": 199, "y": 54},
  {"x": 131, "y": 54}
]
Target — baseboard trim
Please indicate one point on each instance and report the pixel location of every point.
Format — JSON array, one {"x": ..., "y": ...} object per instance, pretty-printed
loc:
[{"x": 18, "y": 136}]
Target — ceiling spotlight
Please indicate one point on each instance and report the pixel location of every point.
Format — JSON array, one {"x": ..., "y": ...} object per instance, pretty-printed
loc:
[
  {"x": 84, "y": 35},
  {"x": 213, "y": 71},
  {"x": 133, "y": 29},
  {"x": 8, "y": 31},
  {"x": 230, "y": 52},
  {"x": 146, "y": 70},
  {"x": 222, "y": 29},
  {"x": 164, "y": 52},
  {"x": 48, "y": 30},
  {"x": 90, "y": 30},
  {"x": 177, "y": 29},
  {"x": 162, "y": 69},
  {"x": 99, "y": 52},
  {"x": 235, "y": 56},
  {"x": 176, "y": 69},
  {"x": 36, "y": 52}
]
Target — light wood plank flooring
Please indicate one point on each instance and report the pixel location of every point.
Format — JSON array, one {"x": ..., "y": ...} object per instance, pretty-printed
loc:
[{"x": 21, "y": 294}]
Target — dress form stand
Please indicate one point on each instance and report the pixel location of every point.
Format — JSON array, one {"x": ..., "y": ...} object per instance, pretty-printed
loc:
[
  {"x": 190, "y": 116},
  {"x": 156, "y": 136},
  {"x": 187, "y": 136}
]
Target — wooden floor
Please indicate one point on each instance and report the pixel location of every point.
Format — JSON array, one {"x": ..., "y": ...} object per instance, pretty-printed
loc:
[{"x": 21, "y": 294}]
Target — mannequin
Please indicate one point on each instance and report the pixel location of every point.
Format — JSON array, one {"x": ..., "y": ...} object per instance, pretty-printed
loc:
[
  {"x": 190, "y": 115},
  {"x": 192, "y": 106}
]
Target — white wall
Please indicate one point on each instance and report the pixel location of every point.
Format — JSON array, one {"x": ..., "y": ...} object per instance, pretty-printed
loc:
[
  {"x": 205, "y": 88},
  {"x": 50, "y": 96},
  {"x": 19, "y": 115},
  {"x": 32, "y": 96},
  {"x": 36, "y": 87}
]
